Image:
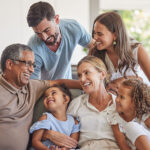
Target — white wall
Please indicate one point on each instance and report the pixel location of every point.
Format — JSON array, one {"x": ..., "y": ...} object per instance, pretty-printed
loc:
[
  {"x": 125, "y": 4},
  {"x": 14, "y": 28},
  {"x": 10, "y": 21}
]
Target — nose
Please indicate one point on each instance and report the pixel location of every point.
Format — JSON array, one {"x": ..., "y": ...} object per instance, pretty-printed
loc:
[
  {"x": 50, "y": 95},
  {"x": 96, "y": 36},
  {"x": 82, "y": 78},
  {"x": 44, "y": 36},
  {"x": 117, "y": 99},
  {"x": 31, "y": 69}
]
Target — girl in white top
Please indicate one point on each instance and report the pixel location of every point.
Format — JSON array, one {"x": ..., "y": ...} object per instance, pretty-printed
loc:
[
  {"x": 133, "y": 117},
  {"x": 122, "y": 55},
  {"x": 93, "y": 107}
]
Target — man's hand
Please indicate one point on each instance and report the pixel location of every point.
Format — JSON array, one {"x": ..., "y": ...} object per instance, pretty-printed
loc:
[{"x": 60, "y": 139}]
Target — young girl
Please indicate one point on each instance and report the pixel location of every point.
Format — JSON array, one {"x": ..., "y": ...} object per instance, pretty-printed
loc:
[
  {"x": 133, "y": 118},
  {"x": 56, "y": 101}
]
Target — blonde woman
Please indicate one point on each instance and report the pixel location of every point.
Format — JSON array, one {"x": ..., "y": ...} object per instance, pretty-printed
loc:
[{"x": 93, "y": 107}]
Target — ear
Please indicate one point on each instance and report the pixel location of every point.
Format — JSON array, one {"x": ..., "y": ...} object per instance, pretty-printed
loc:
[
  {"x": 103, "y": 75},
  {"x": 66, "y": 99},
  {"x": 56, "y": 19},
  {"x": 9, "y": 64}
]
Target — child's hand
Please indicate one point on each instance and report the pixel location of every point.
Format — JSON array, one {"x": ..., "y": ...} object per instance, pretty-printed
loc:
[{"x": 53, "y": 147}]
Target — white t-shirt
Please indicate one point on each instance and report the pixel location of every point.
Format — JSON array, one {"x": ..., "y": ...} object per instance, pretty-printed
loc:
[{"x": 132, "y": 129}]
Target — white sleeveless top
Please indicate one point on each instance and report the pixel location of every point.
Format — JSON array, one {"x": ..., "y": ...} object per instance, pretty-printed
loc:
[{"x": 115, "y": 74}]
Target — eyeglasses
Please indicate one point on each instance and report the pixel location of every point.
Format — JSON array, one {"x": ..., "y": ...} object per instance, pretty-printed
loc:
[{"x": 27, "y": 63}]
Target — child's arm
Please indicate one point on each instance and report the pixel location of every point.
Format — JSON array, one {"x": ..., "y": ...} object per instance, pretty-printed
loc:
[
  {"x": 37, "y": 137},
  {"x": 120, "y": 138},
  {"x": 142, "y": 143},
  {"x": 147, "y": 122}
]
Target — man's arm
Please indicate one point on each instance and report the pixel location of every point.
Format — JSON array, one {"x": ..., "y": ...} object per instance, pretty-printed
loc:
[
  {"x": 72, "y": 84},
  {"x": 92, "y": 44}
]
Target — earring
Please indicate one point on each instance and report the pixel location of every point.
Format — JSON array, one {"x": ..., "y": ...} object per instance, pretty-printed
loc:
[{"x": 114, "y": 43}]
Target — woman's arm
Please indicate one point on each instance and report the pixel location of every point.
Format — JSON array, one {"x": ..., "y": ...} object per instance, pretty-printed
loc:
[
  {"x": 144, "y": 61},
  {"x": 59, "y": 139},
  {"x": 76, "y": 134},
  {"x": 37, "y": 137},
  {"x": 114, "y": 85},
  {"x": 120, "y": 138},
  {"x": 73, "y": 135}
]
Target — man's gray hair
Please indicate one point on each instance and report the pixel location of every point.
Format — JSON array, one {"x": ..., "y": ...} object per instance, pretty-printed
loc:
[{"x": 13, "y": 52}]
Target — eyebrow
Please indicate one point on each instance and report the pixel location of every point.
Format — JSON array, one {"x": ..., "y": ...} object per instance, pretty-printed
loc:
[{"x": 42, "y": 31}]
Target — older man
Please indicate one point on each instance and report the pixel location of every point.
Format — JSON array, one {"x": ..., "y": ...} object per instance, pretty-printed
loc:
[{"x": 18, "y": 95}]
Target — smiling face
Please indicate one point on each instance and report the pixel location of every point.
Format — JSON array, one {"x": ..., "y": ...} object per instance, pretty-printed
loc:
[
  {"x": 124, "y": 102},
  {"x": 20, "y": 73},
  {"x": 54, "y": 99},
  {"x": 89, "y": 77},
  {"x": 48, "y": 31},
  {"x": 103, "y": 36}
]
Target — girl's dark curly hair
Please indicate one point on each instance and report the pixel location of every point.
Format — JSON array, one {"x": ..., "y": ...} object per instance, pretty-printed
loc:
[{"x": 140, "y": 94}]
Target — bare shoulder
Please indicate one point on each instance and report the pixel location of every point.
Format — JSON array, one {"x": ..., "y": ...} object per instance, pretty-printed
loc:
[
  {"x": 147, "y": 122},
  {"x": 141, "y": 51},
  {"x": 43, "y": 117}
]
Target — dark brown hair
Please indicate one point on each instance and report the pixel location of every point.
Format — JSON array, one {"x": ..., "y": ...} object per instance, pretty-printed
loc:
[
  {"x": 123, "y": 48},
  {"x": 38, "y": 11},
  {"x": 64, "y": 89},
  {"x": 140, "y": 93}
]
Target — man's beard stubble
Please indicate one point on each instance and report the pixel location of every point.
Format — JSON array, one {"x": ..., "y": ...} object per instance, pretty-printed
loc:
[{"x": 55, "y": 37}]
